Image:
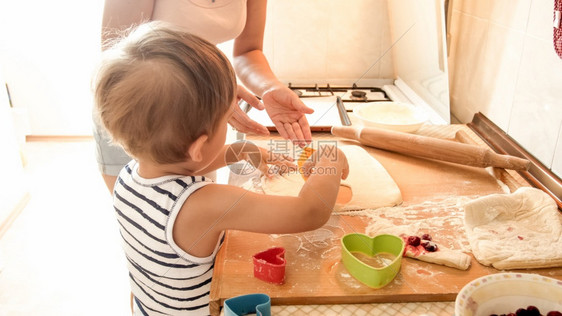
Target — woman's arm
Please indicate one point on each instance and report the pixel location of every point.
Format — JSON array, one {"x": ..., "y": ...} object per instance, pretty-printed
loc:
[
  {"x": 119, "y": 15},
  {"x": 250, "y": 63},
  {"x": 285, "y": 109}
]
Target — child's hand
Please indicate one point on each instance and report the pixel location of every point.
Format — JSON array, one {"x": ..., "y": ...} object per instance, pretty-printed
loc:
[
  {"x": 284, "y": 162},
  {"x": 260, "y": 158},
  {"x": 329, "y": 156}
]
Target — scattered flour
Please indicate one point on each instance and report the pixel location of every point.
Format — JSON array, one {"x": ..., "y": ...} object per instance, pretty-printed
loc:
[{"x": 442, "y": 218}]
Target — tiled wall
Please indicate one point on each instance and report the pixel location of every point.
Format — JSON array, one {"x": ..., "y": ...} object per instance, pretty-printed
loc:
[
  {"x": 502, "y": 63},
  {"x": 328, "y": 39}
]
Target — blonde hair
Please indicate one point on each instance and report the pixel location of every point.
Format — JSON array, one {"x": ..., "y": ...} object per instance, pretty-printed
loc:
[{"x": 158, "y": 89}]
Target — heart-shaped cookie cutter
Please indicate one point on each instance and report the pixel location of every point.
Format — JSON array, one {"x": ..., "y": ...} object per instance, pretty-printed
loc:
[
  {"x": 269, "y": 265},
  {"x": 370, "y": 246},
  {"x": 259, "y": 304}
]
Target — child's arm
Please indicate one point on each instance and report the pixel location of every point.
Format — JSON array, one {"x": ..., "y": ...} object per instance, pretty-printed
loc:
[
  {"x": 257, "y": 156},
  {"x": 215, "y": 208}
]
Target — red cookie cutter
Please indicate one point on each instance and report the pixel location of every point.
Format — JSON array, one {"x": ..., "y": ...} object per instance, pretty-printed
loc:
[{"x": 269, "y": 265}]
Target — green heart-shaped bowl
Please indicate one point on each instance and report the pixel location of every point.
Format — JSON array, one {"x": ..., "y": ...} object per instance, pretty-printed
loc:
[{"x": 370, "y": 246}]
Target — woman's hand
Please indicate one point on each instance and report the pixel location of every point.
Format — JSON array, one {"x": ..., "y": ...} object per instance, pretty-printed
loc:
[
  {"x": 287, "y": 112},
  {"x": 240, "y": 120}
]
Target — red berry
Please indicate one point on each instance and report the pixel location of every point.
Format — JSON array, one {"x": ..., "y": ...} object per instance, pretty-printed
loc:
[
  {"x": 413, "y": 241},
  {"x": 554, "y": 313},
  {"x": 533, "y": 311},
  {"x": 430, "y": 246},
  {"x": 521, "y": 312},
  {"x": 426, "y": 237}
]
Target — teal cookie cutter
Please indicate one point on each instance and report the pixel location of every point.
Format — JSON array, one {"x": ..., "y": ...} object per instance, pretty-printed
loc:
[
  {"x": 259, "y": 304},
  {"x": 370, "y": 246}
]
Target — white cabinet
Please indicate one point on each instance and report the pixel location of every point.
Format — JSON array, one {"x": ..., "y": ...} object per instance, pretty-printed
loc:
[
  {"x": 13, "y": 189},
  {"x": 48, "y": 51}
]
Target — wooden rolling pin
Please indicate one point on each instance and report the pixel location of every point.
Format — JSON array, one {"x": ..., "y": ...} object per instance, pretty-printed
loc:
[{"x": 432, "y": 148}]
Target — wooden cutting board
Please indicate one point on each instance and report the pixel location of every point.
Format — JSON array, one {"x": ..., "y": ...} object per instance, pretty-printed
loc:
[{"x": 314, "y": 272}]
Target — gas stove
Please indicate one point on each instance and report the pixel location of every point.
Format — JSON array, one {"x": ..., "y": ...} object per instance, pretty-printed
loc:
[
  {"x": 332, "y": 100},
  {"x": 355, "y": 93}
]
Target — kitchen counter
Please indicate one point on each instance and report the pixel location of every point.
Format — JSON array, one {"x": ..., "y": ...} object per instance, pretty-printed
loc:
[{"x": 316, "y": 280}]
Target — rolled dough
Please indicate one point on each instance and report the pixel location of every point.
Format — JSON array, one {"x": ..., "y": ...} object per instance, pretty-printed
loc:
[
  {"x": 370, "y": 183},
  {"x": 521, "y": 230},
  {"x": 444, "y": 256}
]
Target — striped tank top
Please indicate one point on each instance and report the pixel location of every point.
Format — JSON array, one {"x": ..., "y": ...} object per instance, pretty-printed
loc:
[{"x": 165, "y": 280}]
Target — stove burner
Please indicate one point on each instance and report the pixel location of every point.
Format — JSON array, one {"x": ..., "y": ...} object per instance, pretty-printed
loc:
[{"x": 359, "y": 95}]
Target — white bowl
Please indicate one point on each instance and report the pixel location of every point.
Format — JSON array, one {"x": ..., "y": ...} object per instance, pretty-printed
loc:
[
  {"x": 504, "y": 293},
  {"x": 398, "y": 116}
]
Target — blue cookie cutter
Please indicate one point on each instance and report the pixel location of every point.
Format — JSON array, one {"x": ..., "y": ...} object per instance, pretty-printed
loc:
[{"x": 248, "y": 304}]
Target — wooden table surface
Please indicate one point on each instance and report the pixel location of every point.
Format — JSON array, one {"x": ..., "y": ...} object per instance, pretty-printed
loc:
[{"x": 432, "y": 191}]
